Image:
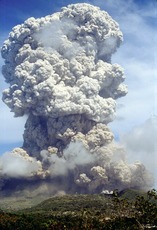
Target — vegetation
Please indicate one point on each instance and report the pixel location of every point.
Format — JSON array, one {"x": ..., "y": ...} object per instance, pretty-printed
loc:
[{"x": 126, "y": 210}]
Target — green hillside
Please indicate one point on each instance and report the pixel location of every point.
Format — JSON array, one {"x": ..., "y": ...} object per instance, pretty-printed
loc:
[{"x": 129, "y": 209}]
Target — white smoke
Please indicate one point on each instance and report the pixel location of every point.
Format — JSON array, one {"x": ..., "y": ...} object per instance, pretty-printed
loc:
[
  {"x": 61, "y": 76},
  {"x": 19, "y": 164},
  {"x": 141, "y": 144},
  {"x": 74, "y": 155}
]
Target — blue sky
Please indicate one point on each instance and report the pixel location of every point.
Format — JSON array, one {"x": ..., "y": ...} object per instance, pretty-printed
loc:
[{"x": 138, "y": 22}]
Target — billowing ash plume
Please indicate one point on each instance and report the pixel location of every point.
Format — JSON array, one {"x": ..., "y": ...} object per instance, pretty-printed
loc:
[{"x": 60, "y": 75}]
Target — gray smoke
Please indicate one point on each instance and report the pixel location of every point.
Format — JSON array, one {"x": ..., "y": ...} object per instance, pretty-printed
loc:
[{"x": 61, "y": 76}]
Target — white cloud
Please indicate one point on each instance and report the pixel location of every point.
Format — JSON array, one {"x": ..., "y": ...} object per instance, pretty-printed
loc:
[
  {"x": 136, "y": 55},
  {"x": 141, "y": 144}
]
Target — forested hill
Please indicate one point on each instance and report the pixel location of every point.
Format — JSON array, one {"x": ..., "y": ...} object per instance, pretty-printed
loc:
[{"x": 129, "y": 209}]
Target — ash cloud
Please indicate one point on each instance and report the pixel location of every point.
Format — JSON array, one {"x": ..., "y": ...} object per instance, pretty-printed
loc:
[{"x": 61, "y": 77}]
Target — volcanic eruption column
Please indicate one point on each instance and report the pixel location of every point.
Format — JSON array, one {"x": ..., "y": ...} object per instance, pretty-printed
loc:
[{"x": 60, "y": 75}]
